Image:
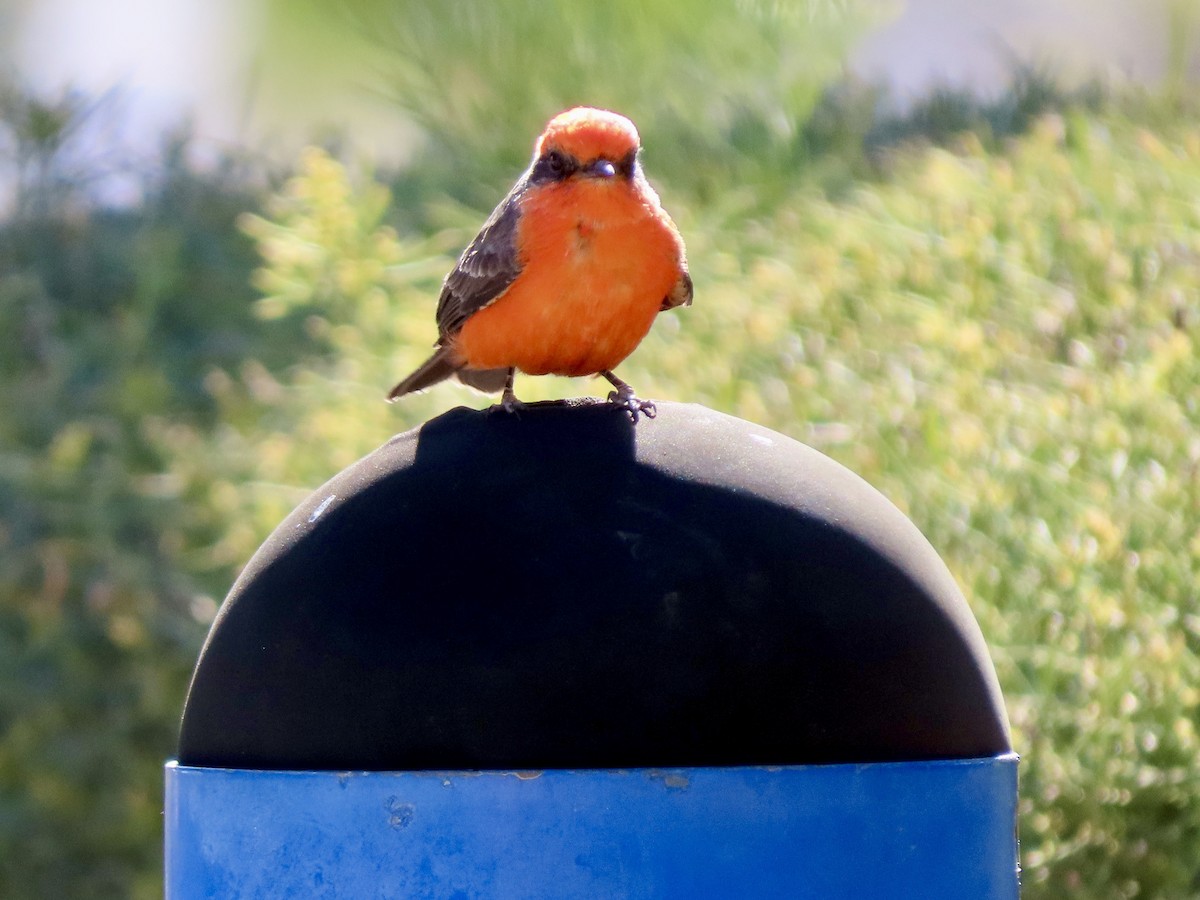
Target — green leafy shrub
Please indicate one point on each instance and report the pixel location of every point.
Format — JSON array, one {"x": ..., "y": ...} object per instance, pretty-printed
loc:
[{"x": 110, "y": 322}]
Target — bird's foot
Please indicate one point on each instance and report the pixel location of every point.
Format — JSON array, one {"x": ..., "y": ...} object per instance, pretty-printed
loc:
[
  {"x": 510, "y": 404},
  {"x": 624, "y": 398}
]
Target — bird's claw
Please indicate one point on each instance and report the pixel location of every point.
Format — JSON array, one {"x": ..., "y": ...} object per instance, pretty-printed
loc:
[
  {"x": 511, "y": 405},
  {"x": 632, "y": 405}
]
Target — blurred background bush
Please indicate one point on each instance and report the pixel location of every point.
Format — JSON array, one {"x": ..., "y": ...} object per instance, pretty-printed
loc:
[{"x": 986, "y": 304}]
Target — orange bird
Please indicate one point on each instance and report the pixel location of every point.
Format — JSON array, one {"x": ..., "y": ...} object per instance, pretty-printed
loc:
[{"x": 568, "y": 272}]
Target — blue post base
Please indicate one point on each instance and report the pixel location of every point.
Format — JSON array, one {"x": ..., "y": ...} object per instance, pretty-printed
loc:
[{"x": 929, "y": 830}]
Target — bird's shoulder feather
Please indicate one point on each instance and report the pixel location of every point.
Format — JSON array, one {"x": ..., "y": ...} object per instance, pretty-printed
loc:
[{"x": 486, "y": 268}]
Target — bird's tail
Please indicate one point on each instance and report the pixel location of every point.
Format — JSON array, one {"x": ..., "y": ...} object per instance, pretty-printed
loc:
[{"x": 437, "y": 368}]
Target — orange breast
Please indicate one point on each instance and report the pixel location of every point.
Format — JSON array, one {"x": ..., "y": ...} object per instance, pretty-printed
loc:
[{"x": 598, "y": 259}]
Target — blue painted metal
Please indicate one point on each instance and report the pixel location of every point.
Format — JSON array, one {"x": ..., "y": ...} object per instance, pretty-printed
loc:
[{"x": 926, "y": 830}]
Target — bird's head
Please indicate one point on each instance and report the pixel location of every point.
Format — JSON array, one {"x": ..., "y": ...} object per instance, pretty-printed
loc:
[{"x": 586, "y": 143}]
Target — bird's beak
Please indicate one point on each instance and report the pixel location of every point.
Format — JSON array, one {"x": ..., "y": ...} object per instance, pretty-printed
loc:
[{"x": 602, "y": 168}]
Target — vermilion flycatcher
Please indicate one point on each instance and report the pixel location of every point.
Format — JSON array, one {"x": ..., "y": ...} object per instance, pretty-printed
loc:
[{"x": 567, "y": 274}]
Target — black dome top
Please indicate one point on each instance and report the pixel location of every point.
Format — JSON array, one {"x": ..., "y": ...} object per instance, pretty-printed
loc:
[{"x": 564, "y": 589}]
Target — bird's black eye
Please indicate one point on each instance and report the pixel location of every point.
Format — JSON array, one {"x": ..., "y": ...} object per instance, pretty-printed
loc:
[
  {"x": 628, "y": 164},
  {"x": 553, "y": 166}
]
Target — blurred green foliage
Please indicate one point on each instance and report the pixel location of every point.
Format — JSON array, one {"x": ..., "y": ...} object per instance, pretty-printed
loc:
[
  {"x": 701, "y": 77},
  {"x": 996, "y": 324},
  {"x": 109, "y": 323}
]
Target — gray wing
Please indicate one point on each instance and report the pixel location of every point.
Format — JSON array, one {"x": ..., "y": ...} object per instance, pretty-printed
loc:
[
  {"x": 486, "y": 269},
  {"x": 681, "y": 293}
]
